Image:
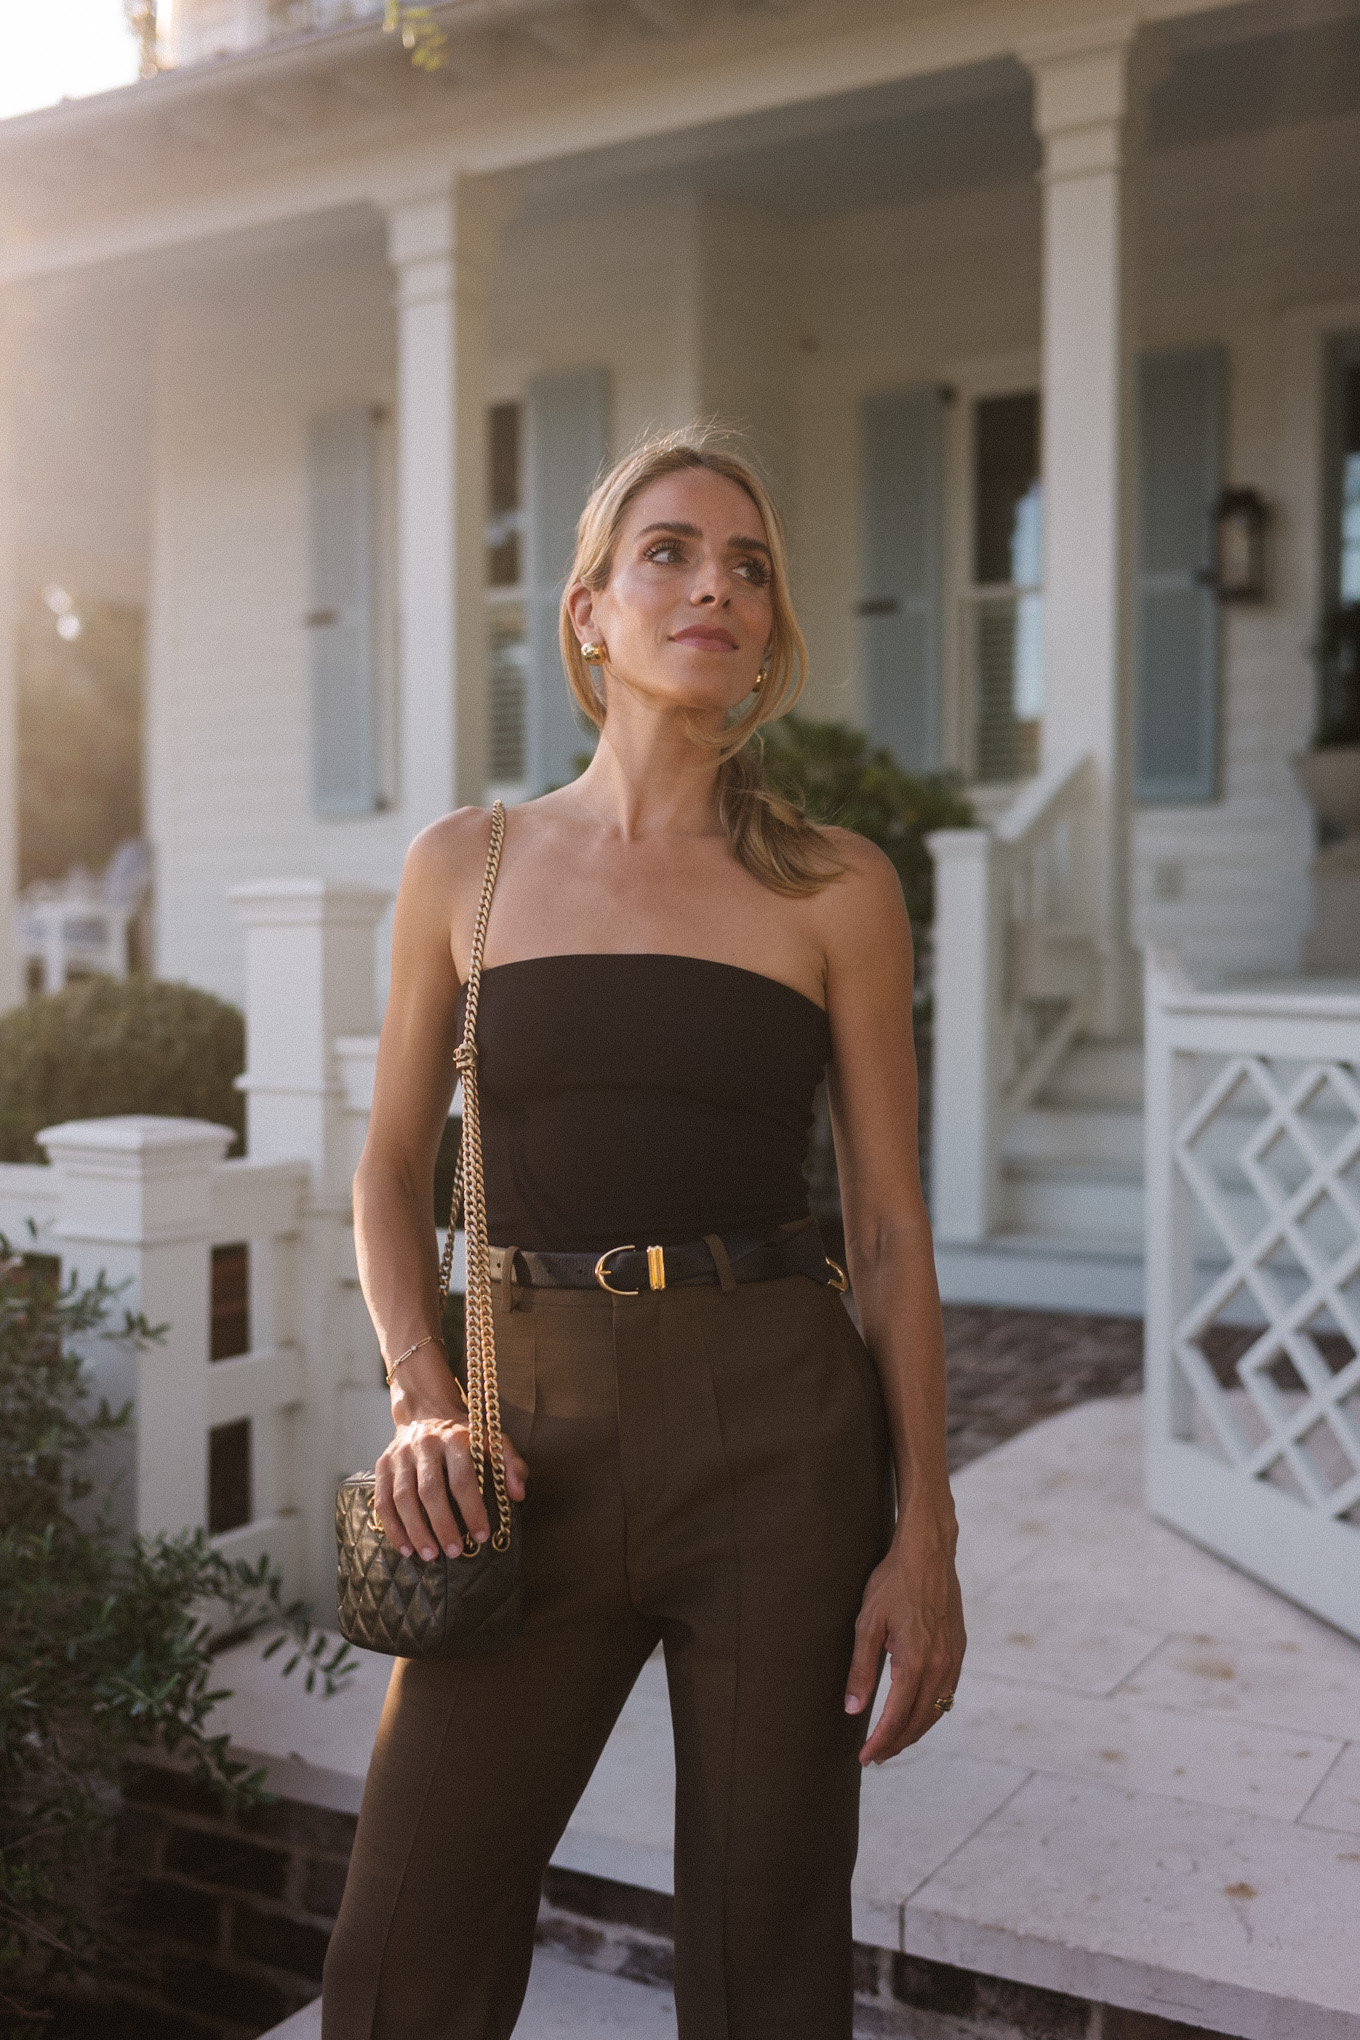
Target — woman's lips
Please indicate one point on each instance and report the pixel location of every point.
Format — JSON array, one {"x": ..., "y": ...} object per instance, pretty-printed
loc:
[{"x": 721, "y": 639}]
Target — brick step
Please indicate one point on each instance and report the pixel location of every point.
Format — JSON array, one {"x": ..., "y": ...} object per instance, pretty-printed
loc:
[
  {"x": 622, "y": 1936},
  {"x": 234, "y": 1912}
]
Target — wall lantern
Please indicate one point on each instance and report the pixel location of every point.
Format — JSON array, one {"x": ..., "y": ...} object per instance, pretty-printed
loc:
[{"x": 1237, "y": 536}]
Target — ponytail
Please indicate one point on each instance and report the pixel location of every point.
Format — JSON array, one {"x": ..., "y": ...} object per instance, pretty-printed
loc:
[{"x": 770, "y": 834}]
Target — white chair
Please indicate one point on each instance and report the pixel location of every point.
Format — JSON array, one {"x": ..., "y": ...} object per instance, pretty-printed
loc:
[{"x": 80, "y": 923}]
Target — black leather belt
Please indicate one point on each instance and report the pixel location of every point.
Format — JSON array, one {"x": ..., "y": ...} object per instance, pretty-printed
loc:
[{"x": 721, "y": 1260}]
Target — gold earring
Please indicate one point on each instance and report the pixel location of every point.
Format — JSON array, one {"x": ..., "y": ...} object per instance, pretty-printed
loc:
[
  {"x": 763, "y": 675},
  {"x": 593, "y": 654}
]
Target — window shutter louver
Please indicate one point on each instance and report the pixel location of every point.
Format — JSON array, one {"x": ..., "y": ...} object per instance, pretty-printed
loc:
[
  {"x": 901, "y": 462},
  {"x": 1180, "y": 474},
  {"x": 566, "y": 434},
  {"x": 341, "y": 471}
]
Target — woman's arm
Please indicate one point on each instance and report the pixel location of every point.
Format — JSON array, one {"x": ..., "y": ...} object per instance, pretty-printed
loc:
[
  {"x": 394, "y": 1190},
  {"x": 912, "y": 1607}
]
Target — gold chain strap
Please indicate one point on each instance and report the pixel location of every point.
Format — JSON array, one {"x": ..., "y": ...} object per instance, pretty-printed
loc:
[{"x": 485, "y": 1439}]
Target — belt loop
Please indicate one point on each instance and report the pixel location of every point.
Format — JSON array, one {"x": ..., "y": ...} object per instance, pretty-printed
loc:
[
  {"x": 726, "y": 1279},
  {"x": 508, "y": 1277}
]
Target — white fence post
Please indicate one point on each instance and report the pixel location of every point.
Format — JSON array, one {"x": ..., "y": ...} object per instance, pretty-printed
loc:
[
  {"x": 310, "y": 978},
  {"x": 967, "y": 984},
  {"x": 1253, "y": 1264},
  {"x": 136, "y": 1198}
]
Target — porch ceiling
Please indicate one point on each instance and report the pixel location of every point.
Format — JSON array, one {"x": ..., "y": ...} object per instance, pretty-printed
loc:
[
  {"x": 915, "y": 138},
  {"x": 324, "y": 120},
  {"x": 1282, "y": 64}
]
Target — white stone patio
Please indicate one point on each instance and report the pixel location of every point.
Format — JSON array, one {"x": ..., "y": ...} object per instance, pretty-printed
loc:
[{"x": 1148, "y": 1793}]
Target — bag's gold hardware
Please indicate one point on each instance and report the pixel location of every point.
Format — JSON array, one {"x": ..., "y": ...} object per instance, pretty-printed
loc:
[
  {"x": 656, "y": 1267},
  {"x": 838, "y": 1279},
  {"x": 603, "y": 1279}
]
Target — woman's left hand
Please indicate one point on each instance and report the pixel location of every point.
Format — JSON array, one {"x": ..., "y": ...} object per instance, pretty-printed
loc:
[{"x": 913, "y": 1610}]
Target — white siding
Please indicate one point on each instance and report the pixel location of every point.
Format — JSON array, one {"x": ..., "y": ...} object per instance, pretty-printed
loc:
[{"x": 239, "y": 373}]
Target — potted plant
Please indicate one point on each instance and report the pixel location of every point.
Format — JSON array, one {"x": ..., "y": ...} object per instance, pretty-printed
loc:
[{"x": 1330, "y": 776}]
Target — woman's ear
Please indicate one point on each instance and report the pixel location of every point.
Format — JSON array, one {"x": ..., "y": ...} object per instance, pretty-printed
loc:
[{"x": 581, "y": 610}]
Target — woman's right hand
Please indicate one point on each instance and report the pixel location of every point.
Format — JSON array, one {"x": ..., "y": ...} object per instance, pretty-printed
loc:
[{"x": 429, "y": 1459}]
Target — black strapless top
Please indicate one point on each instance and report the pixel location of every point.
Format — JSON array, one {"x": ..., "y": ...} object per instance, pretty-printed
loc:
[{"x": 642, "y": 1099}]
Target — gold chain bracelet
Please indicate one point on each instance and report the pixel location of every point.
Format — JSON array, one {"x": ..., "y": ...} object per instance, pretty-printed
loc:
[{"x": 430, "y": 1339}]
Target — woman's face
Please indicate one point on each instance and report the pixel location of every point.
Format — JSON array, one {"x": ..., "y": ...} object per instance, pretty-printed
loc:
[{"x": 686, "y": 614}]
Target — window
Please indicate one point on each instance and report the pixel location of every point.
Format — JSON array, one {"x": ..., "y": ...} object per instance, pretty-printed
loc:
[
  {"x": 507, "y": 653},
  {"x": 1004, "y": 608}
]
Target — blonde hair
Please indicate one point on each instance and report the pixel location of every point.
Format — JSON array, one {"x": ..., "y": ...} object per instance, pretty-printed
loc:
[{"x": 770, "y": 835}]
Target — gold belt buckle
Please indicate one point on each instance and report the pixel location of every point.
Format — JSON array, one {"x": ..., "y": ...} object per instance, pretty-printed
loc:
[{"x": 603, "y": 1279}]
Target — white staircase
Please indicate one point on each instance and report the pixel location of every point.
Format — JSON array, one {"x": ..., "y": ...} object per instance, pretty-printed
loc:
[{"x": 1069, "y": 1231}]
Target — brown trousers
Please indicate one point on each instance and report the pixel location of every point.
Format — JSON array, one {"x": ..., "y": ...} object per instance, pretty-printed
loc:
[{"x": 708, "y": 1469}]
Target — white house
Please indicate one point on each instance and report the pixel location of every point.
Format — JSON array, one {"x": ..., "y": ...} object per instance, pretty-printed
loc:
[{"x": 315, "y": 355}]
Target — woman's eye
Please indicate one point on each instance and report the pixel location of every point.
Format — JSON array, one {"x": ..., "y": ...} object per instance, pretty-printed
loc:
[
  {"x": 665, "y": 554},
  {"x": 756, "y": 571}
]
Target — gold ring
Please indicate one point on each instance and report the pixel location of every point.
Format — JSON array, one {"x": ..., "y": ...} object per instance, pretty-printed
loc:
[
  {"x": 603, "y": 1279},
  {"x": 838, "y": 1279},
  {"x": 944, "y": 1703}
]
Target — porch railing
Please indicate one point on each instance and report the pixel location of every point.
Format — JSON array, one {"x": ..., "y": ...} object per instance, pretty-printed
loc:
[
  {"x": 267, "y": 1383},
  {"x": 149, "y": 1203},
  {"x": 1015, "y": 981},
  {"x": 1252, "y": 1133}
]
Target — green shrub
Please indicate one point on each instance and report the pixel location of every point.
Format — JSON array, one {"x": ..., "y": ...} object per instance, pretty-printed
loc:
[
  {"x": 104, "y": 1646},
  {"x": 840, "y": 776},
  {"x": 103, "y": 1047}
]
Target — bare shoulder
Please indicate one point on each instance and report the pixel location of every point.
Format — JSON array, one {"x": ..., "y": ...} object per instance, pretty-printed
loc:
[
  {"x": 866, "y": 900},
  {"x": 862, "y": 924},
  {"x": 450, "y": 852}
]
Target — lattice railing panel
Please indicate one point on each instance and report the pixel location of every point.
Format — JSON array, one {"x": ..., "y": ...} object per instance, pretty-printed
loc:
[{"x": 1268, "y": 1353}]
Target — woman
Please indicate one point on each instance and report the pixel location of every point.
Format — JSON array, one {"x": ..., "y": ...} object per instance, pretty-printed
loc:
[{"x": 673, "y": 957}]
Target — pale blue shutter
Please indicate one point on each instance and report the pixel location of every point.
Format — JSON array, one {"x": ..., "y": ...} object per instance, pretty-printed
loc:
[
  {"x": 901, "y": 449},
  {"x": 1180, "y": 473},
  {"x": 566, "y": 421},
  {"x": 341, "y": 473}
]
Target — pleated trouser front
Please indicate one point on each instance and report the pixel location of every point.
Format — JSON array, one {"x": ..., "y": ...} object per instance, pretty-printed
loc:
[{"x": 708, "y": 1470}]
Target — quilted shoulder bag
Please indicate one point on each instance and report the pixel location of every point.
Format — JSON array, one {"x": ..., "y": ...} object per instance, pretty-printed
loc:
[{"x": 446, "y": 1607}]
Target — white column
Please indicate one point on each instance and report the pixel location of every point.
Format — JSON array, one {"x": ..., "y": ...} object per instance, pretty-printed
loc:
[
  {"x": 1079, "y": 96},
  {"x": 967, "y": 993},
  {"x": 11, "y": 986},
  {"x": 310, "y": 976},
  {"x": 439, "y": 243},
  {"x": 309, "y": 979},
  {"x": 136, "y": 1203}
]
